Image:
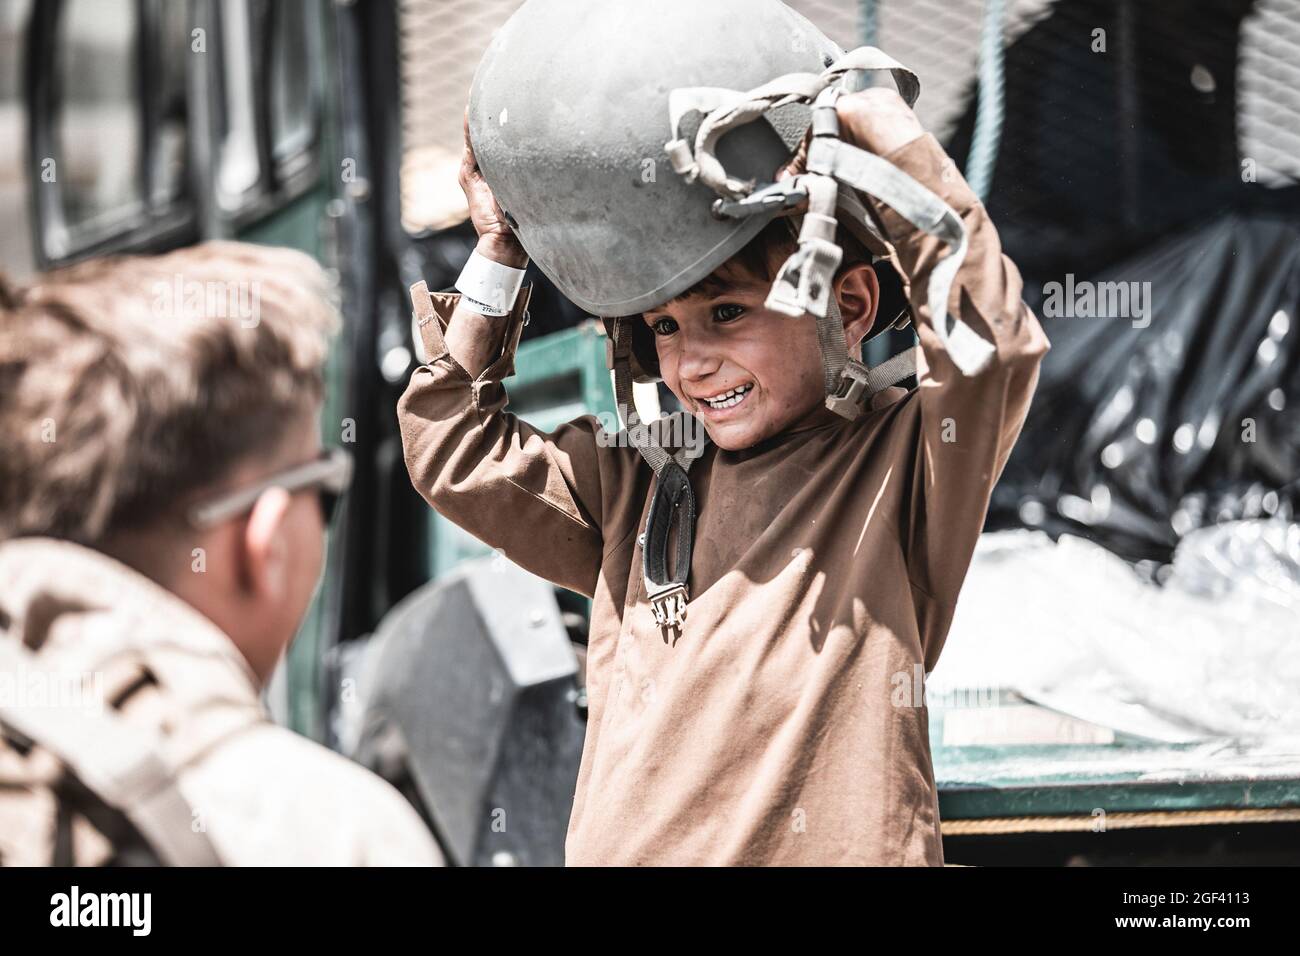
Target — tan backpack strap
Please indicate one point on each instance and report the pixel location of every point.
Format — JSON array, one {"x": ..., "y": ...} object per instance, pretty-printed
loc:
[{"x": 116, "y": 762}]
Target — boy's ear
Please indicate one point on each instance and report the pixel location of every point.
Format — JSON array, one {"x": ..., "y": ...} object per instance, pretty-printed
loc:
[{"x": 858, "y": 294}]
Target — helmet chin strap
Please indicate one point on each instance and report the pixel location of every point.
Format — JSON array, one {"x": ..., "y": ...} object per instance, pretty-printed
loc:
[{"x": 857, "y": 382}]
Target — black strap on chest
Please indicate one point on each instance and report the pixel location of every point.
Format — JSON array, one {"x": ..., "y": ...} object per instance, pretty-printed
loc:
[{"x": 673, "y": 503}]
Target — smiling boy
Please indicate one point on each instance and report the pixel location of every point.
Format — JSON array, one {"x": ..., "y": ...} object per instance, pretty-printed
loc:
[{"x": 774, "y": 728}]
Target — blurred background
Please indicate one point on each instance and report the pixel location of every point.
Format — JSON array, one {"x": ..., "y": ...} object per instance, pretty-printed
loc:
[{"x": 1125, "y": 656}]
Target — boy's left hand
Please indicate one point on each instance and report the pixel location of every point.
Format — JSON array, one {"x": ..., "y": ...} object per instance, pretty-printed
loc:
[{"x": 877, "y": 120}]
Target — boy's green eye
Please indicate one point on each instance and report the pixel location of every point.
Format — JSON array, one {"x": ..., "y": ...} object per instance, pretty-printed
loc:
[
  {"x": 722, "y": 314},
  {"x": 664, "y": 326}
]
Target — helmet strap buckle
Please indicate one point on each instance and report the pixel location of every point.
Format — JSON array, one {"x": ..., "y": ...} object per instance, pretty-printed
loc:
[
  {"x": 669, "y": 606},
  {"x": 848, "y": 398},
  {"x": 804, "y": 283},
  {"x": 776, "y": 197}
]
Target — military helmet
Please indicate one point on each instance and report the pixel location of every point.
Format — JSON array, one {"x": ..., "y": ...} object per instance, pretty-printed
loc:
[{"x": 568, "y": 115}]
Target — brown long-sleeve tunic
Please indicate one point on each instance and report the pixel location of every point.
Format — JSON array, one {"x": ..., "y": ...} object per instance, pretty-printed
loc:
[{"x": 784, "y": 724}]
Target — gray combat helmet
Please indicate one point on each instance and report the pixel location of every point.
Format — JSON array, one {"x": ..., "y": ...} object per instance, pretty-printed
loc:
[
  {"x": 632, "y": 146},
  {"x": 569, "y": 114}
]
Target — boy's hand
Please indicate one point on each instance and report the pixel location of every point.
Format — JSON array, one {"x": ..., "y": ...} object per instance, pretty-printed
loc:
[
  {"x": 878, "y": 120},
  {"x": 496, "y": 240}
]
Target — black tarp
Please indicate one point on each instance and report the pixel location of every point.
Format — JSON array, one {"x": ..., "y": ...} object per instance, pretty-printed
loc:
[{"x": 1145, "y": 428}]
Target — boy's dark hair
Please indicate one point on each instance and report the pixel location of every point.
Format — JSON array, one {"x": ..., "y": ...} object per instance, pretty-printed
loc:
[{"x": 763, "y": 255}]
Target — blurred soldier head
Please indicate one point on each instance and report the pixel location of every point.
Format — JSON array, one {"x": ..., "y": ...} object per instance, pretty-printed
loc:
[{"x": 164, "y": 410}]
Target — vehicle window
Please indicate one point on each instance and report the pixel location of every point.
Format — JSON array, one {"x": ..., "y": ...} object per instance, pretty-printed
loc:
[
  {"x": 168, "y": 153},
  {"x": 16, "y": 257},
  {"x": 292, "y": 78},
  {"x": 238, "y": 166},
  {"x": 98, "y": 124}
]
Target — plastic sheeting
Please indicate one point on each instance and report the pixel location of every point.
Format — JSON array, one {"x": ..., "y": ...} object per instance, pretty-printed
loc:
[
  {"x": 1213, "y": 653},
  {"x": 1148, "y": 426}
]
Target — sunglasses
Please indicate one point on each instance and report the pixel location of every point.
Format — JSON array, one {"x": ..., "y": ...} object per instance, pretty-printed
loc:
[{"x": 328, "y": 475}]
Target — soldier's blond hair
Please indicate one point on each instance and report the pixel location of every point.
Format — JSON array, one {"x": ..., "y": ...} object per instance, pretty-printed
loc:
[{"x": 128, "y": 384}]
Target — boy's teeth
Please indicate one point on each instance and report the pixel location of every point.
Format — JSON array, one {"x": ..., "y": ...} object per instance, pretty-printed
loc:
[{"x": 728, "y": 398}]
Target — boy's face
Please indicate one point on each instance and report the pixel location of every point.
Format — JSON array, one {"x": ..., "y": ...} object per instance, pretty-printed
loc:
[{"x": 746, "y": 372}]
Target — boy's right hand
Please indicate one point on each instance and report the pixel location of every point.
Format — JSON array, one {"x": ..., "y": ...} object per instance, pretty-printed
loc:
[{"x": 496, "y": 240}]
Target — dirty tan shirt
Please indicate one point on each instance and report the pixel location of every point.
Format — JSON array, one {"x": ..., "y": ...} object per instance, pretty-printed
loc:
[
  {"x": 784, "y": 725},
  {"x": 265, "y": 795}
]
